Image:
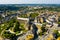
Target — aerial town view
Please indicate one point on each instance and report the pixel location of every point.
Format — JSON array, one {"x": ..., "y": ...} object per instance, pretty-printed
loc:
[{"x": 30, "y": 22}]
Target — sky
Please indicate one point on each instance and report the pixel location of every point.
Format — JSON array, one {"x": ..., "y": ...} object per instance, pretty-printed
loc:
[{"x": 29, "y": 1}]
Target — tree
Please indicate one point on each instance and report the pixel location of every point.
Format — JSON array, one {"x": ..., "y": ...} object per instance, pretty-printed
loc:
[
  {"x": 43, "y": 29},
  {"x": 8, "y": 35},
  {"x": 33, "y": 15},
  {"x": 10, "y": 23},
  {"x": 56, "y": 33},
  {"x": 59, "y": 21},
  {"x": 17, "y": 25}
]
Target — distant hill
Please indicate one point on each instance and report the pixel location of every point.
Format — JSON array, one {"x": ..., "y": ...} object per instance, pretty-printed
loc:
[{"x": 17, "y": 6}]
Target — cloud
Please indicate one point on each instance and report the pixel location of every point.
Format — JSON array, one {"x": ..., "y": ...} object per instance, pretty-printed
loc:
[{"x": 29, "y": 1}]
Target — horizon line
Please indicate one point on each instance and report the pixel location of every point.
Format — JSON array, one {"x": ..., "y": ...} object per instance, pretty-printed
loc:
[{"x": 28, "y": 3}]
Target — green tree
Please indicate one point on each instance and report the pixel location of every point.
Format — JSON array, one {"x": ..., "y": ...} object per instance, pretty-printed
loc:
[
  {"x": 59, "y": 21},
  {"x": 33, "y": 15},
  {"x": 17, "y": 25}
]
